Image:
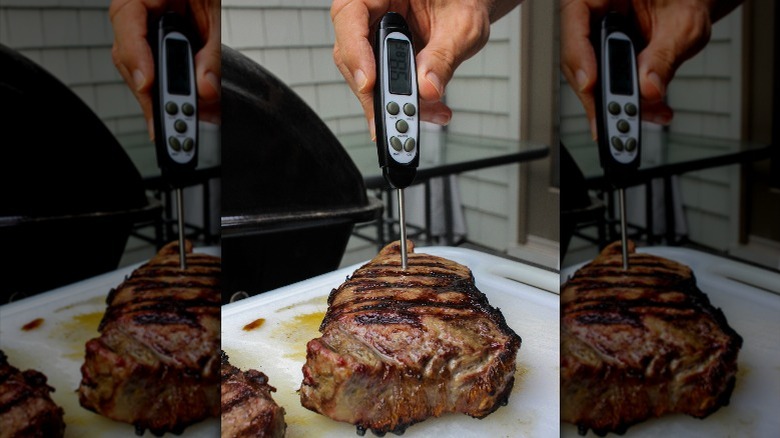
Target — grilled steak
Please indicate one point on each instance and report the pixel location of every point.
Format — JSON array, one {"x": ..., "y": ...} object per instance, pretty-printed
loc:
[
  {"x": 398, "y": 347},
  {"x": 248, "y": 409},
  {"x": 641, "y": 343},
  {"x": 156, "y": 362},
  {"x": 26, "y": 408}
]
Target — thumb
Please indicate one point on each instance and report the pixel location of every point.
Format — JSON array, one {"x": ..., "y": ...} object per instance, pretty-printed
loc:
[
  {"x": 434, "y": 72},
  {"x": 208, "y": 63},
  {"x": 444, "y": 52},
  {"x": 677, "y": 38}
]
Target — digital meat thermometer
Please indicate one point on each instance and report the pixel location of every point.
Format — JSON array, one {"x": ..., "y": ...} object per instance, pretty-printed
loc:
[
  {"x": 617, "y": 109},
  {"x": 396, "y": 110},
  {"x": 175, "y": 106}
]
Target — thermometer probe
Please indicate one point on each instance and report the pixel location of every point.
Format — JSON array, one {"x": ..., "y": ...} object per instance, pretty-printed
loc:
[
  {"x": 396, "y": 110},
  {"x": 175, "y": 107},
  {"x": 617, "y": 109}
]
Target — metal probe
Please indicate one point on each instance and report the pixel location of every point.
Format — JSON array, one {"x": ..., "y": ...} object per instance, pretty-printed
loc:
[
  {"x": 180, "y": 209},
  {"x": 623, "y": 237},
  {"x": 402, "y": 226}
]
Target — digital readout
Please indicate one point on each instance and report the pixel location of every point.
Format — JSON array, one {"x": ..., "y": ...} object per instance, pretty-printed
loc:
[
  {"x": 177, "y": 66},
  {"x": 620, "y": 74},
  {"x": 400, "y": 80}
]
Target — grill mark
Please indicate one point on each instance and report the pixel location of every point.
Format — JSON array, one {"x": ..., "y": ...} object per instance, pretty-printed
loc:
[
  {"x": 385, "y": 319},
  {"x": 411, "y": 273},
  {"x": 361, "y": 290},
  {"x": 171, "y": 280},
  {"x": 243, "y": 395},
  {"x": 391, "y": 311},
  {"x": 427, "y": 296},
  {"x": 18, "y": 398},
  {"x": 161, "y": 312},
  {"x": 638, "y": 308},
  {"x": 163, "y": 306},
  {"x": 401, "y": 305},
  {"x": 618, "y": 273},
  {"x": 200, "y": 300},
  {"x": 167, "y": 319}
]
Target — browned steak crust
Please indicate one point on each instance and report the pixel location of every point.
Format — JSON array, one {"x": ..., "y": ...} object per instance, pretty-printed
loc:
[
  {"x": 156, "y": 362},
  {"x": 641, "y": 343},
  {"x": 398, "y": 346},
  {"x": 248, "y": 409},
  {"x": 26, "y": 407}
]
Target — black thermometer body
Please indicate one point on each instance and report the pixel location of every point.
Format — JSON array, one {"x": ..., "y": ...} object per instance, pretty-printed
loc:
[
  {"x": 396, "y": 102},
  {"x": 617, "y": 99},
  {"x": 174, "y": 98}
]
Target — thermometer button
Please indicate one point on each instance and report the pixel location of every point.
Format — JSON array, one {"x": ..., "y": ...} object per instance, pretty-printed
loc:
[
  {"x": 409, "y": 109},
  {"x": 173, "y": 142},
  {"x": 617, "y": 144},
  {"x": 171, "y": 108},
  {"x": 402, "y": 126},
  {"x": 613, "y": 108},
  {"x": 392, "y": 108},
  {"x": 409, "y": 144},
  {"x": 188, "y": 109},
  {"x": 631, "y": 144},
  {"x": 623, "y": 126},
  {"x": 395, "y": 143},
  {"x": 630, "y": 109},
  {"x": 180, "y": 126}
]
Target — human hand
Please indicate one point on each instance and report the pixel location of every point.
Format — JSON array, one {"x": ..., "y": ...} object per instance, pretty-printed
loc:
[
  {"x": 445, "y": 33},
  {"x": 132, "y": 55},
  {"x": 674, "y": 31}
]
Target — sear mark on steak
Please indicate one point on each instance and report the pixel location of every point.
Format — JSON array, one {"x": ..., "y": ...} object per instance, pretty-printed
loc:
[
  {"x": 26, "y": 407},
  {"x": 156, "y": 362},
  {"x": 641, "y": 343},
  {"x": 398, "y": 346},
  {"x": 248, "y": 409}
]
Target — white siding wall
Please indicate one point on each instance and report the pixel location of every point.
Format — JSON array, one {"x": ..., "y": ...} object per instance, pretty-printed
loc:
[
  {"x": 706, "y": 97},
  {"x": 72, "y": 40},
  {"x": 294, "y": 40},
  {"x": 485, "y": 99}
]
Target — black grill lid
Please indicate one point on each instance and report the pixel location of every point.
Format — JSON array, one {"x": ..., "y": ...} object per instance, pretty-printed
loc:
[{"x": 281, "y": 163}]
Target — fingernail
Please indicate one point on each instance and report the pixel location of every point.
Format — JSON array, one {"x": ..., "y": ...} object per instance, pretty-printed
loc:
[
  {"x": 139, "y": 79},
  {"x": 372, "y": 129},
  {"x": 440, "y": 119},
  {"x": 582, "y": 79},
  {"x": 434, "y": 80},
  {"x": 361, "y": 80},
  {"x": 657, "y": 83},
  {"x": 213, "y": 80},
  {"x": 593, "y": 131}
]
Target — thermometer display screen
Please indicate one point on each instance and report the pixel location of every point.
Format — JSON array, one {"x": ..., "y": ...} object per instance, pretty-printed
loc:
[
  {"x": 177, "y": 66},
  {"x": 620, "y": 75},
  {"x": 400, "y": 77}
]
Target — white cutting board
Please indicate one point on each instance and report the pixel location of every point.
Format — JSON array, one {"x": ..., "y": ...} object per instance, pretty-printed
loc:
[
  {"x": 291, "y": 316},
  {"x": 71, "y": 315},
  {"x": 749, "y": 297}
]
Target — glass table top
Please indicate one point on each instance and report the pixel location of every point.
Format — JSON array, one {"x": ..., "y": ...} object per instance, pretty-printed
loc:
[
  {"x": 445, "y": 154},
  {"x": 665, "y": 154}
]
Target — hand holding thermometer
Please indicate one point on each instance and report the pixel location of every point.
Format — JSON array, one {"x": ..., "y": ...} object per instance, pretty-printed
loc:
[
  {"x": 617, "y": 109},
  {"x": 175, "y": 106},
  {"x": 396, "y": 110}
]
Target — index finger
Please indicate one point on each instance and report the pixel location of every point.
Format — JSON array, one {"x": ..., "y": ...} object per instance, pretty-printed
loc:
[{"x": 351, "y": 22}]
